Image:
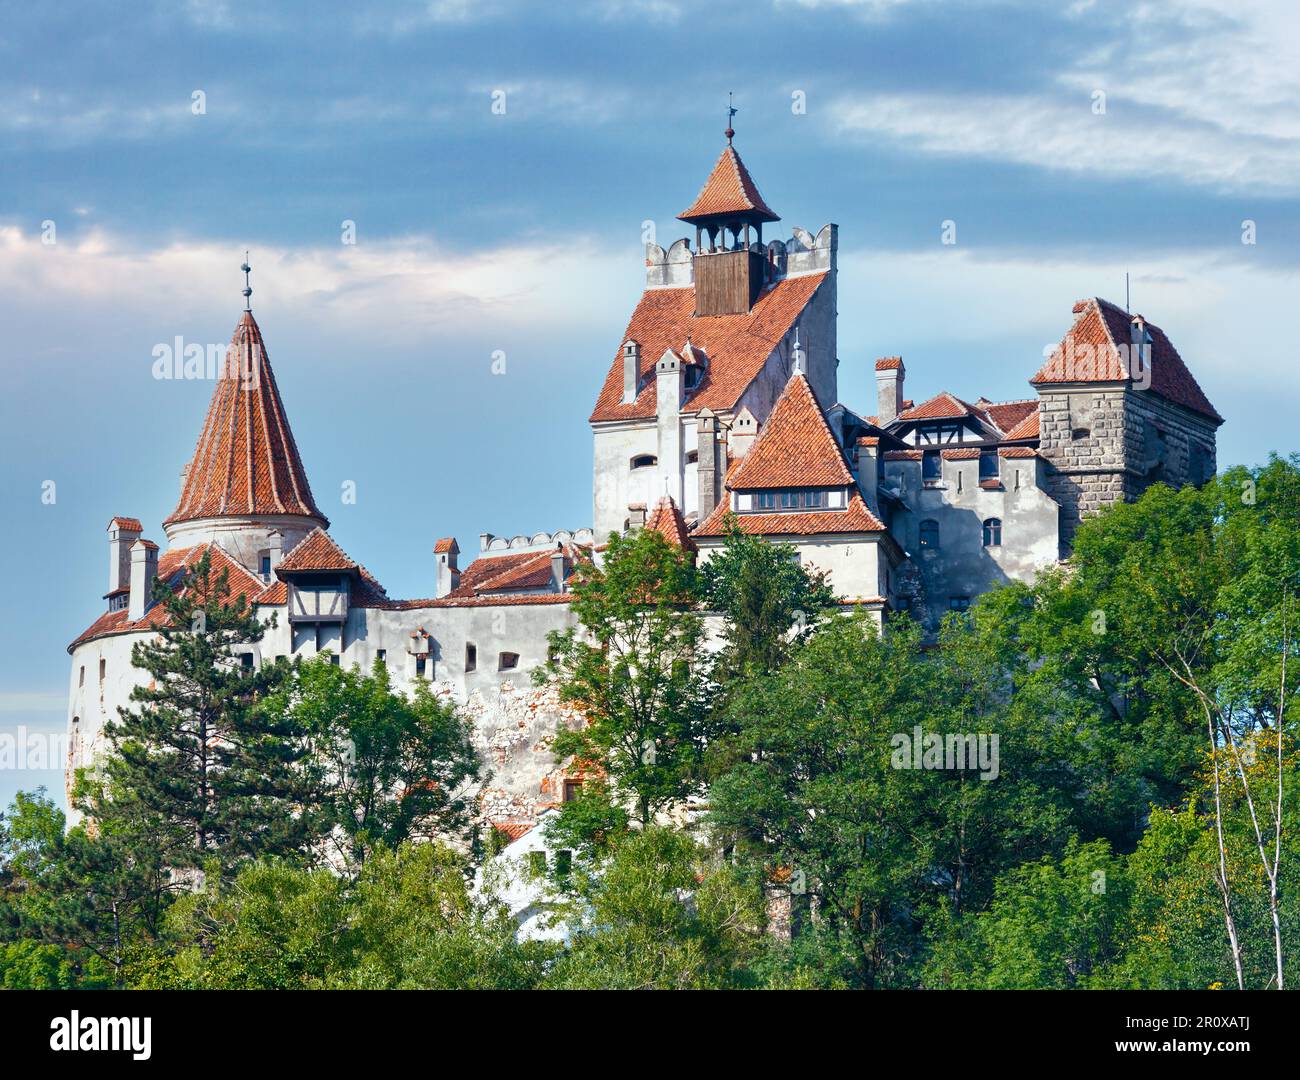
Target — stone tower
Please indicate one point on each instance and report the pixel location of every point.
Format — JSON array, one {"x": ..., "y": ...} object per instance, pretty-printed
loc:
[{"x": 1119, "y": 411}]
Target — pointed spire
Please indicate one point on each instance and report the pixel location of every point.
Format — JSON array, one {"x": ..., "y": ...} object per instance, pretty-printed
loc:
[
  {"x": 246, "y": 463},
  {"x": 729, "y": 193}
]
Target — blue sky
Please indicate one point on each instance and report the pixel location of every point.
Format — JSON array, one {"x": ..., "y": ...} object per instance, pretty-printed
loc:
[{"x": 478, "y": 231}]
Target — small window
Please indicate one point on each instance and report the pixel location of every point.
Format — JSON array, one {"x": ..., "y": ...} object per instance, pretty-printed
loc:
[
  {"x": 789, "y": 500},
  {"x": 563, "y": 862},
  {"x": 993, "y": 532},
  {"x": 246, "y": 661},
  {"x": 419, "y": 667},
  {"x": 266, "y": 567},
  {"x": 76, "y": 720},
  {"x": 471, "y": 656},
  {"x": 931, "y": 466},
  {"x": 81, "y": 679},
  {"x": 988, "y": 464},
  {"x": 1080, "y": 433},
  {"x": 334, "y": 659},
  {"x": 644, "y": 461},
  {"x": 382, "y": 656},
  {"x": 692, "y": 457},
  {"x": 959, "y": 603},
  {"x": 572, "y": 789},
  {"x": 103, "y": 671},
  {"x": 929, "y": 534},
  {"x": 812, "y": 500},
  {"x": 508, "y": 661},
  {"x": 767, "y": 500}
]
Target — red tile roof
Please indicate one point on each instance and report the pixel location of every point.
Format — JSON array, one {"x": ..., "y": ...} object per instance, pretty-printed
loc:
[
  {"x": 246, "y": 461},
  {"x": 966, "y": 453},
  {"x": 667, "y": 520},
  {"x": 904, "y": 455},
  {"x": 943, "y": 406},
  {"x": 889, "y": 363},
  {"x": 126, "y": 523},
  {"x": 170, "y": 565},
  {"x": 855, "y": 519},
  {"x": 316, "y": 551},
  {"x": 737, "y": 345},
  {"x": 728, "y": 190},
  {"x": 1026, "y": 429},
  {"x": 446, "y": 544},
  {"x": 1007, "y": 414},
  {"x": 1100, "y": 327},
  {"x": 1017, "y": 452},
  {"x": 513, "y": 830},
  {"x": 795, "y": 447}
]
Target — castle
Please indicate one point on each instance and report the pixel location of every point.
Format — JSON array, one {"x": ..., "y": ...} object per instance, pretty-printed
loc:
[{"x": 720, "y": 404}]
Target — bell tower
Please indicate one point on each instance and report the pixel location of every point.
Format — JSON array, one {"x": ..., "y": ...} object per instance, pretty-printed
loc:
[{"x": 731, "y": 270}]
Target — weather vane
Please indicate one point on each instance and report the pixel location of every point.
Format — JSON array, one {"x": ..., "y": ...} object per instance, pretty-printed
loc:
[
  {"x": 248, "y": 289},
  {"x": 731, "y": 111}
]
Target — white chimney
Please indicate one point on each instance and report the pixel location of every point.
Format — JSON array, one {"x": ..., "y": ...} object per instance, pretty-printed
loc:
[
  {"x": 447, "y": 576},
  {"x": 144, "y": 568},
  {"x": 631, "y": 371},
  {"x": 122, "y": 533},
  {"x": 557, "y": 568}
]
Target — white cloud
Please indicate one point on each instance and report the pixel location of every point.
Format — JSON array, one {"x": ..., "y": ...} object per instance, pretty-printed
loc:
[
  {"x": 392, "y": 292},
  {"x": 1201, "y": 92}
]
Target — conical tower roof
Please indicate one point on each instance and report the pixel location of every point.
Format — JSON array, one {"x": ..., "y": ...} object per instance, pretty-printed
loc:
[
  {"x": 246, "y": 463},
  {"x": 729, "y": 192}
]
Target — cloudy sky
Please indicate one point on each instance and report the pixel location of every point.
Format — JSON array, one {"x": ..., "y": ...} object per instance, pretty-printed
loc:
[{"x": 1069, "y": 143}]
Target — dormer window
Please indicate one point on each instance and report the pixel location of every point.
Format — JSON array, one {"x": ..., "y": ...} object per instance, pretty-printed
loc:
[
  {"x": 266, "y": 567},
  {"x": 644, "y": 461}
]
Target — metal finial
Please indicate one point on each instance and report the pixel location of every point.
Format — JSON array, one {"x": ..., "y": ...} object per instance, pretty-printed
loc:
[
  {"x": 248, "y": 289},
  {"x": 731, "y": 111}
]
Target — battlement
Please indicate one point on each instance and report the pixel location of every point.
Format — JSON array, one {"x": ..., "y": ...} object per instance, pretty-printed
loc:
[
  {"x": 802, "y": 253},
  {"x": 541, "y": 541}
]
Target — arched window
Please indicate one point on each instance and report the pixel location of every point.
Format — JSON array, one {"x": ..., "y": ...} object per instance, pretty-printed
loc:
[
  {"x": 993, "y": 532},
  {"x": 929, "y": 534},
  {"x": 644, "y": 461}
]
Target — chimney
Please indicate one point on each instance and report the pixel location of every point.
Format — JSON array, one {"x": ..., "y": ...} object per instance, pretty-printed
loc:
[
  {"x": 557, "y": 568},
  {"x": 889, "y": 388},
  {"x": 744, "y": 430},
  {"x": 122, "y": 533},
  {"x": 448, "y": 574},
  {"x": 668, "y": 410},
  {"x": 635, "y": 516},
  {"x": 275, "y": 544},
  {"x": 631, "y": 371},
  {"x": 706, "y": 467},
  {"x": 144, "y": 568}
]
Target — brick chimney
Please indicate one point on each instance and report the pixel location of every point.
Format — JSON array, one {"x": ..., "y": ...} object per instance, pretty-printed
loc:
[
  {"x": 144, "y": 568},
  {"x": 889, "y": 388}
]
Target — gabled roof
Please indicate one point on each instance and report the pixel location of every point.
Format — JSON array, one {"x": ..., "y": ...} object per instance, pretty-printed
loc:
[
  {"x": 1028, "y": 428},
  {"x": 1101, "y": 327},
  {"x": 736, "y": 345},
  {"x": 943, "y": 406},
  {"x": 666, "y": 519},
  {"x": 795, "y": 448},
  {"x": 246, "y": 461},
  {"x": 729, "y": 190},
  {"x": 856, "y": 518},
  {"x": 316, "y": 551},
  {"x": 1007, "y": 414},
  {"x": 126, "y": 524}
]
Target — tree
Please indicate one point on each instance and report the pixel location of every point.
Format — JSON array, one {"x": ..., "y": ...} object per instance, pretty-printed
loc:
[
  {"x": 198, "y": 766},
  {"x": 395, "y": 767},
  {"x": 93, "y": 895},
  {"x": 768, "y": 600},
  {"x": 635, "y": 671},
  {"x": 659, "y": 914}
]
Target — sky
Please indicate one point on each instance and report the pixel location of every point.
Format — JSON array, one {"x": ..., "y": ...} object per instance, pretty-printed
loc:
[{"x": 498, "y": 166}]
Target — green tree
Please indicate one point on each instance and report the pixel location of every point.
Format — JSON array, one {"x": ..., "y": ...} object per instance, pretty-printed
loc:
[
  {"x": 197, "y": 765},
  {"x": 395, "y": 767},
  {"x": 634, "y": 668}
]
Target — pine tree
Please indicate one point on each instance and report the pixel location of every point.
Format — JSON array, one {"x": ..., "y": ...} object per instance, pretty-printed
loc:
[{"x": 199, "y": 768}]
